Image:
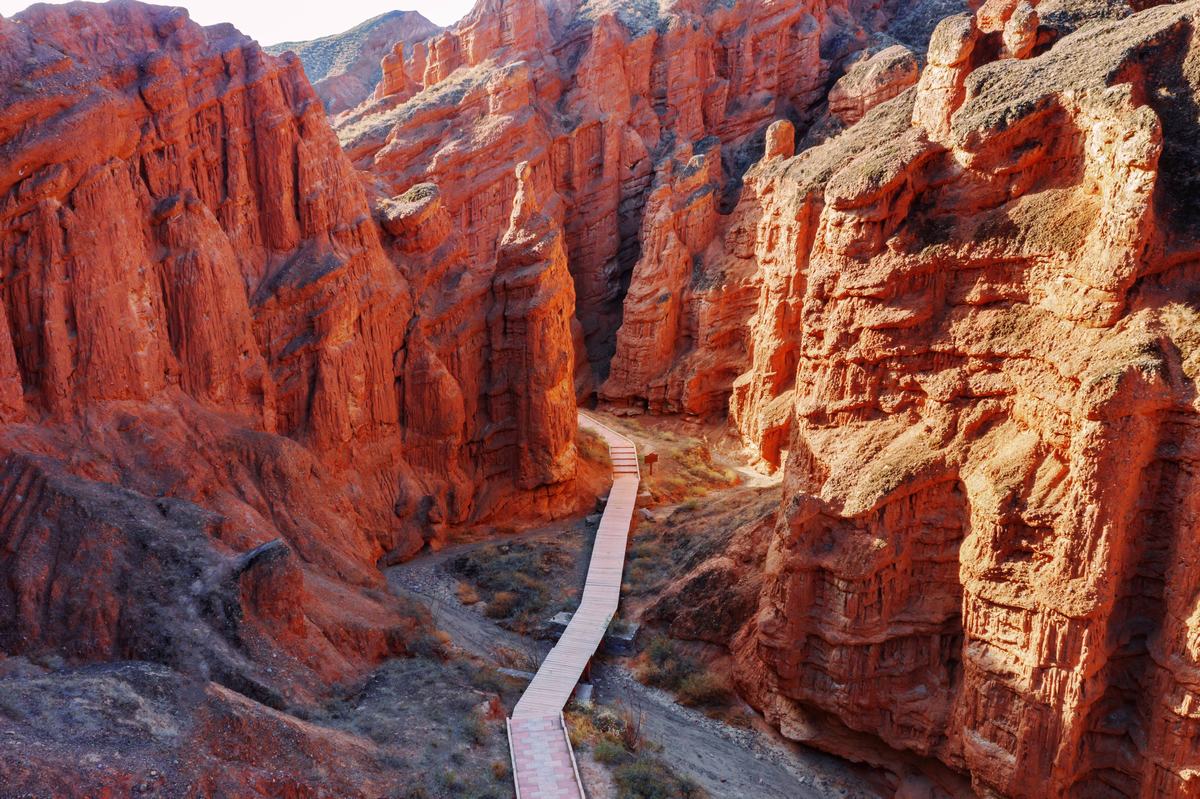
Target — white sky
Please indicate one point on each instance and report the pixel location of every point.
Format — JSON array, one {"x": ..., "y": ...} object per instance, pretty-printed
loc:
[{"x": 272, "y": 21}]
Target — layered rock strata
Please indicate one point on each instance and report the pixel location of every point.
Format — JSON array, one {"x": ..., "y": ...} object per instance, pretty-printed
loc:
[
  {"x": 209, "y": 339},
  {"x": 971, "y": 345},
  {"x": 599, "y": 100}
]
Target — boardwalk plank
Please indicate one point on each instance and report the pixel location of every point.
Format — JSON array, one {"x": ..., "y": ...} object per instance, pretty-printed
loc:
[{"x": 536, "y": 724}]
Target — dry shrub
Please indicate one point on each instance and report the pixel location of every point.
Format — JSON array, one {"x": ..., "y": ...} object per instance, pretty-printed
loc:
[
  {"x": 662, "y": 665},
  {"x": 476, "y": 729},
  {"x": 501, "y": 604},
  {"x": 632, "y": 721},
  {"x": 525, "y": 658},
  {"x": 608, "y": 752},
  {"x": 651, "y": 778},
  {"x": 467, "y": 594},
  {"x": 704, "y": 689}
]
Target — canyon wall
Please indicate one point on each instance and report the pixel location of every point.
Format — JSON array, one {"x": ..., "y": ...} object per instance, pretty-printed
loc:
[
  {"x": 221, "y": 403},
  {"x": 969, "y": 328},
  {"x": 604, "y": 102},
  {"x": 946, "y": 280}
]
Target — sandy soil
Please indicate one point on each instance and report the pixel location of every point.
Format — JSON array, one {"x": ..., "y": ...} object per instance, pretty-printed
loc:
[{"x": 729, "y": 762}]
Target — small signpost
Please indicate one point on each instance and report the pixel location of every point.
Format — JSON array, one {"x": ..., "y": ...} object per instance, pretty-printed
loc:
[{"x": 651, "y": 458}]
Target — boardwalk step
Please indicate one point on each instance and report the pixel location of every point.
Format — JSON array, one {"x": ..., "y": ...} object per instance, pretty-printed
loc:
[{"x": 542, "y": 760}]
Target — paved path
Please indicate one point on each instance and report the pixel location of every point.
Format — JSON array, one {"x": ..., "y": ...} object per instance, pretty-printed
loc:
[{"x": 543, "y": 763}]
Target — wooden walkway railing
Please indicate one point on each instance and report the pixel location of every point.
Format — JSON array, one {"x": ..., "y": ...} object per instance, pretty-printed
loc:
[{"x": 543, "y": 764}]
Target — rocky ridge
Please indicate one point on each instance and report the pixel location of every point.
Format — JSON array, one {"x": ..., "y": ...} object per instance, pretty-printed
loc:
[
  {"x": 602, "y": 101},
  {"x": 943, "y": 277},
  {"x": 214, "y": 375},
  {"x": 969, "y": 324},
  {"x": 345, "y": 68}
]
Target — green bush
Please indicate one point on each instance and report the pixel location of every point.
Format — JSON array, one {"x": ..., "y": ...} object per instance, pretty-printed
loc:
[
  {"x": 660, "y": 649},
  {"x": 609, "y": 752},
  {"x": 650, "y": 778},
  {"x": 664, "y": 666}
]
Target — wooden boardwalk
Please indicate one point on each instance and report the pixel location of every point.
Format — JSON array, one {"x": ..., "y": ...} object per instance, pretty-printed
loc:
[{"x": 543, "y": 763}]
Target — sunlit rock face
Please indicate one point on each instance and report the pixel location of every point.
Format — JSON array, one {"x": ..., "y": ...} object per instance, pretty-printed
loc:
[
  {"x": 946, "y": 281},
  {"x": 871, "y": 81},
  {"x": 213, "y": 338},
  {"x": 971, "y": 324},
  {"x": 602, "y": 101}
]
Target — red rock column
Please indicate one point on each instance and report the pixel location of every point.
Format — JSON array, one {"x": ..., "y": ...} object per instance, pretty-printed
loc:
[{"x": 532, "y": 395}]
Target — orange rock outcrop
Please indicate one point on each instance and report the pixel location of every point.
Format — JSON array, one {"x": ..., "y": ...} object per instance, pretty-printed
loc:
[
  {"x": 208, "y": 326},
  {"x": 871, "y": 81},
  {"x": 970, "y": 341},
  {"x": 598, "y": 100},
  {"x": 244, "y": 359}
]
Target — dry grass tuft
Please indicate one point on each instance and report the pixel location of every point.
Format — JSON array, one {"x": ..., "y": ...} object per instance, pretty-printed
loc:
[
  {"x": 467, "y": 594},
  {"x": 592, "y": 447}
]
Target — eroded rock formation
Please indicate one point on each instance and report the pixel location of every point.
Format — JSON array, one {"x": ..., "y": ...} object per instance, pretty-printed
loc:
[
  {"x": 347, "y": 67},
  {"x": 970, "y": 341},
  {"x": 210, "y": 342},
  {"x": 871, "y": 81},
  {"x": 599, "y": 100},
  {"x": 241, "y": 367},
  {"x": 533, "y": 366}
]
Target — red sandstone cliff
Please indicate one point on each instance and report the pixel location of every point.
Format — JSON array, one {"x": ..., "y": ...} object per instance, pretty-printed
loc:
[
  {"x": 961, "y": 315},
  {"x": 969, "y": 327},
  {"x": 200, "y": 315},
  {"x": 597, "y": 100}
]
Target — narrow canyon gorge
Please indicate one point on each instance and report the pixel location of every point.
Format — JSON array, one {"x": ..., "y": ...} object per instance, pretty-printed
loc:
[{"x": 280, "y": 323}]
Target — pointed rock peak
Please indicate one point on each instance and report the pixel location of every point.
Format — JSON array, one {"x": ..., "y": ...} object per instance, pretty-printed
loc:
[
  {"x": 536, "y": 218},
  {"x": 1021, "y": 30},
  {"x": 941, "y": 89},
  {"x": 781, "y": 140},
  {"x": 394, "y": 78},
  {"x": 525, "y": 202}
]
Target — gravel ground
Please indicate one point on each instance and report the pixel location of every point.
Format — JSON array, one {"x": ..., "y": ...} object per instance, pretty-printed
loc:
[{"x": 729, "y": 762}]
